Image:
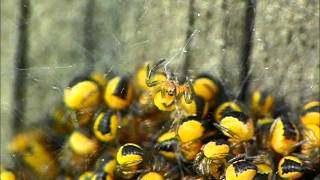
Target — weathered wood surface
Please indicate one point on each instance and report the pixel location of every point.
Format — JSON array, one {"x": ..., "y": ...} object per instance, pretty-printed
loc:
[{"x": 124, "y": 33}]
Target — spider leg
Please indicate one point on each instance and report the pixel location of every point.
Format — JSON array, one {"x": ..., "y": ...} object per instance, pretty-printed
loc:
[
  {"x": 74, "y": 120},
  {"x": 179, "y": 162},
  {"x": 189, "y": 92},
  {"x": 176, "y": 102},
  {"x": 272, "y": 128},
  {"x": 274, "y": 176},
  {"x": 236, "y": 158},
  {"x": 227, "y": 131},
  {"x": 152, "y": 71}
]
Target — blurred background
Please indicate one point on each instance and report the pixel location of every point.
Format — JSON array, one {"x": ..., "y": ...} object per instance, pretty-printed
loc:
[{"x": 248, "y": 44}]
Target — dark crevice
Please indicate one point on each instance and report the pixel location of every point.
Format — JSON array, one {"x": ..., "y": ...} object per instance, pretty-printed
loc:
[
  {"x": 246, "y": 49},
  {"x": 88, "y": 33},
  {"x": 208, "y": 24},
  {"x": 225, "y": 24},
  {"x": 303, "y": 85},
  {"x": 21, "y": 67}
]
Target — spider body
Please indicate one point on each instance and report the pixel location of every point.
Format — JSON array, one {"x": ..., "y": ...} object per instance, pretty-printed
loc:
[{"x": 169, "y": 91}]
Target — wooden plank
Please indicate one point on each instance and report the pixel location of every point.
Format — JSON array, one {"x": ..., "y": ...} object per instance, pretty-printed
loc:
[
  {"x": 137, "y": 31},
  {"x": 286, "y": 52},
  {"x": 124, "y": 35},
  {"x": 9, "y": 17},
  {"x": 56, "y": 53},
  {"x": 285, "y": 57},
  {"x": 216, "y": 45}
]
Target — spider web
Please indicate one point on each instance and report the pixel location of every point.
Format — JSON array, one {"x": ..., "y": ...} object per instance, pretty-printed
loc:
[{"x": 284, "y": 60}]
